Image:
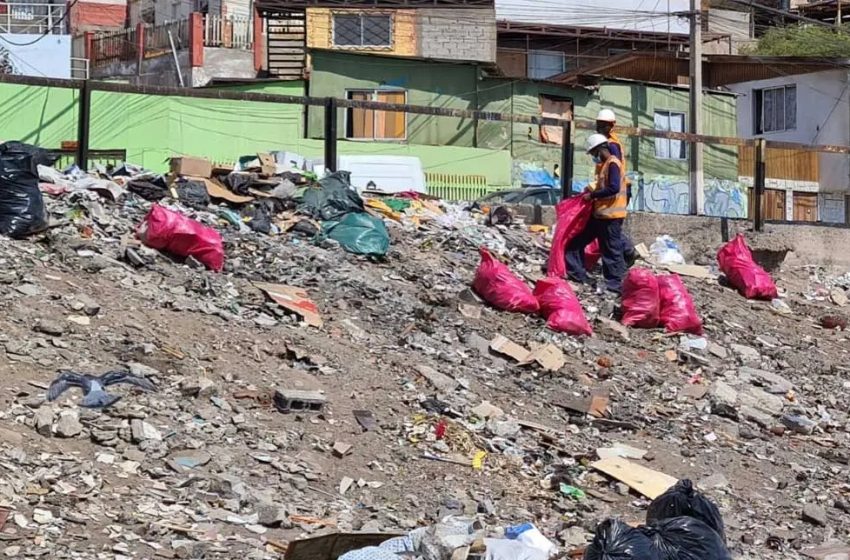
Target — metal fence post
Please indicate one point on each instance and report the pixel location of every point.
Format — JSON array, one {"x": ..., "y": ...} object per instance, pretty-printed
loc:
[
  {"x": 330, "y": 133},
  {"x": 758, "y": 185},
  {"x": 567, "y": 160},
  {"x": 83, "y": 124}
]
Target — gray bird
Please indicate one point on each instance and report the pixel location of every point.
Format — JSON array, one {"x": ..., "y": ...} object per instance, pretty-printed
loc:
[{"x": 93, "y": 386}]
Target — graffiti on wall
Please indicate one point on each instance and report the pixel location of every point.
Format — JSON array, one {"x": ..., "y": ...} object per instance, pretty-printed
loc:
[{"x": 670, "y": 195}]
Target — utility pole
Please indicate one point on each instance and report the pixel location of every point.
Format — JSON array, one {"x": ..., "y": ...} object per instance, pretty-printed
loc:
[{"x": 697, "y": 192}]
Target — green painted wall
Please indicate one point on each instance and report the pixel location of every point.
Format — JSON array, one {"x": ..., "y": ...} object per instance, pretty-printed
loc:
[
  {"x": 154, "y": 128},
  {"x": 444, "y": 85}
]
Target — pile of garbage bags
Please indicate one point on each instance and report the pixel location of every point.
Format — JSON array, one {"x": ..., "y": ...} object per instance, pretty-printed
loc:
[
  {"x": 681, "y": 524},
  {"x": 21, "y": 203}
]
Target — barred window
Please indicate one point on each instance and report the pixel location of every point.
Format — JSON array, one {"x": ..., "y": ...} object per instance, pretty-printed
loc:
[{"x": 362, "y": 30}]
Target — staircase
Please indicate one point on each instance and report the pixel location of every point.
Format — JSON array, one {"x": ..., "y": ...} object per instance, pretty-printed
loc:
[{"x": 286, "y": 34}]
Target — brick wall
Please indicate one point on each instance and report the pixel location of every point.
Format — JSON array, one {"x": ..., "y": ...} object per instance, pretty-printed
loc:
[{"x": 457, "y": 33}]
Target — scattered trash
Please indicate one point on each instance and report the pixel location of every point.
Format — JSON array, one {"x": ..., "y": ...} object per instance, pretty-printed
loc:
[
  {"x": 572, "y": 492},
  {"x": 295, "y": 300},
  {"x": 646, "y": 481},
  {"x": 665, "y": 251},
  {"x": 94, "y": 393}
]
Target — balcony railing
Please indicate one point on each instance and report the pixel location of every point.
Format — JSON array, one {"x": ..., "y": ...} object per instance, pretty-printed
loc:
[
  {"x": 229, "y": 32},
  {"x": 114, "y": 47},
  {"x": 38, "y": 19},
  {"x": 157, "y": 39}
]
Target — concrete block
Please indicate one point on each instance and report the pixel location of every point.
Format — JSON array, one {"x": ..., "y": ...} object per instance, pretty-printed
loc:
[{"x": 292, "y": 400}]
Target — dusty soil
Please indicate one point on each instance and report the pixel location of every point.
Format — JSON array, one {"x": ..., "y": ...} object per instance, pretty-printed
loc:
[{"x": 121, "y": 498}]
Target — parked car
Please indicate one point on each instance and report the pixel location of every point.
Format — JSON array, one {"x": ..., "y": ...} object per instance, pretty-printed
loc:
[{"x": 537, "y": 196}]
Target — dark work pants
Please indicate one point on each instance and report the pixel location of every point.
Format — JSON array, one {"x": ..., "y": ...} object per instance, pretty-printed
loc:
[{"x": 611, "y": 239}]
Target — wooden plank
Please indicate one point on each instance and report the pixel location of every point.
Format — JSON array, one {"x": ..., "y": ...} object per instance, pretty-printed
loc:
[
  {"x": 646, "y": 481},
  {"x": 805, "y": 207}
]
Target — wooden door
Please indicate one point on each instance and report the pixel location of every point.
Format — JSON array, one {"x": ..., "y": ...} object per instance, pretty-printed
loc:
[
  {"x": 772, "y": 206},
  {"x": 805, "y": 207}
]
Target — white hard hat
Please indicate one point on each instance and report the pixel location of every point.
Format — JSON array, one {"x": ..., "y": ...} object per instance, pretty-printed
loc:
[
  {"x": 606, "y": 115},
  {"x": 596, "y": 140}
]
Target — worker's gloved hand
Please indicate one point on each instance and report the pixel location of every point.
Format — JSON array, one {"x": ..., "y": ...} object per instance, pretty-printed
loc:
[{"x": 586, "y": 195}]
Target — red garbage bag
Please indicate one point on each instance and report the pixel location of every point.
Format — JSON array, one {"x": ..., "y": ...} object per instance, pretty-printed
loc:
[
  {"x": 573, "y": 214},
  {"x": 166, "y": 230},
  {"x": 641, "y": 299},
  {"x": 742, "y": 272},
  {"x": 561, "y": 308},
  {"x": 495, "y": 282},
  {"x": 592, "y": 254},
  {"x": 678, "y": 313}
]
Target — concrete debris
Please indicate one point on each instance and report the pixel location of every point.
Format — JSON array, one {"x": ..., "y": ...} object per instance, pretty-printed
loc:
[{"x": 406, "y": 398}]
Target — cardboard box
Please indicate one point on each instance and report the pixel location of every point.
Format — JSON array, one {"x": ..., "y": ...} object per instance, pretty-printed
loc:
[
  {"x": 196, "y": 167},
  {"x": 268, "y": 167}
]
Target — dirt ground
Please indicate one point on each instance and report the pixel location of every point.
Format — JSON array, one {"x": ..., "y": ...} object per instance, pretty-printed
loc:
[{"x": 269, "y": 477}]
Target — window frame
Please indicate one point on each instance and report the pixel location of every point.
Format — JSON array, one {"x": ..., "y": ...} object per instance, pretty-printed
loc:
[
  {"x": 759, "y": 105},
  {"x": 683, "y": 145},
  {"x": 361, "y": 16},
  {"x": 374, "y": 94},
  {"x": 531, "y": 52}
]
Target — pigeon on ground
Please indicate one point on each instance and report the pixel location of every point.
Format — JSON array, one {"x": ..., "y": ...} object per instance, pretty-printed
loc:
[{"x": 93, "y": 386}]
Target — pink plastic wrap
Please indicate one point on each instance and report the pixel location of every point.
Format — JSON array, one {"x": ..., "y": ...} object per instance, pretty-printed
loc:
[
  {"x": 495, "y": 282},
  {"x": 561, "y": 308},
  {"x": 166, "y": 230},
  {"x": 742, "y": 272}
]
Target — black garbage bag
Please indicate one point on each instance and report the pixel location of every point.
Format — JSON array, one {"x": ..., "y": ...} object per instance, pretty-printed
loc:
[
  {"x": 193, "y": 194},
  {"x": 332, "y": 198},
  {"x": 614, "y": 540},
  {"x": 240, "y": 182},
  {"x": 21, "y": 203},
  {"x": 148, "y": 190},
  {"x": 683, "y": 499},
  {"x": 685, "y": 538}
]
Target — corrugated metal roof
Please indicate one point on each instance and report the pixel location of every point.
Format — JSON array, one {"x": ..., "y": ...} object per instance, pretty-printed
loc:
[{"x": 628, "y": 15}]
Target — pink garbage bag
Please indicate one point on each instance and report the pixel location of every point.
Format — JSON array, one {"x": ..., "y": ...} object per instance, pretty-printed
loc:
[
  {"x": 742, "y": 272},
  {"x": 573, "y": 214},
  {"x": 170, "y": 231},
  {"x": 495, "y": 282},
  {"x": 641, "y": 299},
  {"x": 561, "y": 308},
  {"x": 678, "y": 313}
]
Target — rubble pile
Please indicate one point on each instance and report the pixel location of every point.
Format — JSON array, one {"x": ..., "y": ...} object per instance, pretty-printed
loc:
[{"x": 309, "y": 390}]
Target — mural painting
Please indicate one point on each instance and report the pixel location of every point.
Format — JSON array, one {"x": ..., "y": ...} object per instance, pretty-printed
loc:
[{"x": 670, "y": 195}]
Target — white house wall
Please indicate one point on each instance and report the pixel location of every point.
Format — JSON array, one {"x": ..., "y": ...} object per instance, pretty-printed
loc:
[{"x": 823, "y": 117}]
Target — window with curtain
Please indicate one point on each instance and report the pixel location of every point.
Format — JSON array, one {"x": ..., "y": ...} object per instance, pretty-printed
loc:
[
  {"x": 545, "y": 64},
  {"x": 367, "y": 124},
  {"x": 775, "y": 109},
  {"x": 666, "y": 148},
  {"x": 362, "y": 30}
]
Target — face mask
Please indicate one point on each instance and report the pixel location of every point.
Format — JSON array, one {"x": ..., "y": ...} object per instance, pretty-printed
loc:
[{"x": 597, "y": 159}]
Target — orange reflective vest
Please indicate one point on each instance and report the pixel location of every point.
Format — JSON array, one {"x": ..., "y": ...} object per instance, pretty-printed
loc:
[
  {"x": 612, "y": 207},
  {"x": 613, "y": 139}
]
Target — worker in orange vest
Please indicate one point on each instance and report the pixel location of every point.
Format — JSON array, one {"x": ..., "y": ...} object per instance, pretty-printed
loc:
[
  {"x": 606, "y": 119},
  {"x": 606, "y": 222}
]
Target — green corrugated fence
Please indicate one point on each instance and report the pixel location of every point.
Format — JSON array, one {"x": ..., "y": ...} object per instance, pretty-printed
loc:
[{"x": 458, "y": 187}]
